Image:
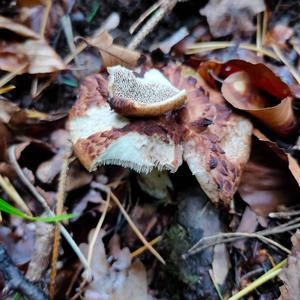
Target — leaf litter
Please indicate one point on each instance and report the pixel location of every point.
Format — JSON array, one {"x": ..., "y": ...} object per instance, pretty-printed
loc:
[{"x": 221, "y": 219}]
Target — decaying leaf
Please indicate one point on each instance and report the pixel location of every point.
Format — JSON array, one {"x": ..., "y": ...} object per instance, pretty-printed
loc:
[
  {"x": 216, "y": 141},
  {"x": 114, "y": 54},
  {"x": 290, "y": 274},
  {"x": 33, "y": 52},
  {"x": 228, "y": 16},
  {"x": 123, "y": 279},
  {"x": 267, "y": 182},
  {"x": 257, "y": 90}
]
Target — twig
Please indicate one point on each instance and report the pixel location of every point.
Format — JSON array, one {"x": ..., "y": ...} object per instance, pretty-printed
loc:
[
  {"x": 16, "y": 281},
  {"x": 41, "y": 253},
  {"x": 164, "y": 8},
  {"x": 59, "y": 211},
  {"x": 40, "y": 198}
]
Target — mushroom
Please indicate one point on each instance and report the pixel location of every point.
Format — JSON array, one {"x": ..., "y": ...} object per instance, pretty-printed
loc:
[
  {"x": 216, "y": 141},
  {"x": 101, "y": 136},
  {"x": 150, "y": 95}
]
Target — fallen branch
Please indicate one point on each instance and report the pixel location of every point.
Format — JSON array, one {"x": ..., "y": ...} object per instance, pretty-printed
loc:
[{"x": 16, "y": 281}]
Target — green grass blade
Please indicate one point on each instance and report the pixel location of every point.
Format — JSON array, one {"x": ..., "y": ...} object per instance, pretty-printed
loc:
[
  {"x": 9, "y": 209},
  {"x": 56, "y": 218}
]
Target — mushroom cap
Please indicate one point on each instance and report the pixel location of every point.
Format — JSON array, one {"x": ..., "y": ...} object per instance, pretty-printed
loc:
[
  {"x": 216, "y": 141},
  {"x": 101, "y": 136},
  {"x": 150, "y": 95}
]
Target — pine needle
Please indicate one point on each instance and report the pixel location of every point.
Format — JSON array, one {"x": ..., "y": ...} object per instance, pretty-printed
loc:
[
  {"x": 140, "y": 250},
  {"x": 9, "y": 76},
  {"x": 209, "y": 46},
  {"x": 6, "y": 89},
  {"x": 47, "y": 10}
]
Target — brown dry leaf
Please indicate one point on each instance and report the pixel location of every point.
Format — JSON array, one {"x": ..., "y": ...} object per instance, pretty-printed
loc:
[
  {"x": 267, "y": 182},
  {"x": 216, "y": 141},
  {"x": 228, "y": 16},
  {"x": 114, "y": 54},
  {"x": 121, "y": 280},
  {"x": 257, "y": 90},
  {"x": 290, "y": 274},
  {"x": 33, "y": 51}
]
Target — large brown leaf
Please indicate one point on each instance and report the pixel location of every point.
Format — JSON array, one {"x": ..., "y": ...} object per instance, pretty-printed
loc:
[
  {"x": 254, "y": 88},
  {"x": 216, "y": 141}
]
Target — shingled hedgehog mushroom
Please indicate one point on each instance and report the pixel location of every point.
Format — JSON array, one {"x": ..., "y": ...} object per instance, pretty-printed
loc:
[
  {"x": 101, "y": 136},
  {"x": 150, "y": 95},
  {"x": 213, "y": 140}
]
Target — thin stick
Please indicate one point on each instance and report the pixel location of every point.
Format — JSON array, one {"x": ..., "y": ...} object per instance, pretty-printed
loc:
[
  {"x": 59, "y": 211},
  {"x": 208, "y": 46},
  {"x": 40, "y": 198},
  {"x": 291, "y": 68},
  {"x": 45, "y": 17}
]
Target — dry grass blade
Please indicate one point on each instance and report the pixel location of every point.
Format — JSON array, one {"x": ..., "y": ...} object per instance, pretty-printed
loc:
[
  {"x": 48, "y": 5},
  {"x": 291, "y": 68},
  {"x": 98, "y": 228},
  {"x": 144, "y": 16},
  {"x": 40, "y": 198},
  {"x": 136, "y": 230},
  {"x": 59, "y": 211},
  {"x": 106, "y": 189},
  {"x": 209, "y": 46},
  {"x": 264, "y": 26},
  {"x": 10, "y": 190},
  {"x": 9, "y": 76}
]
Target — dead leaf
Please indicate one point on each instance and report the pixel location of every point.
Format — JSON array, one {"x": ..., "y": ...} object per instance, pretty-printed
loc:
[
  {"x": 114, "y": 54},
  {"x": 228, "y": 16},
  {"x": 290, "y": 274},
  {"x": 121, "y": 280},
  {"x": 216, "y": 141},
  {"x": 33, "y": 51},
  {"x": 267, "y": 182},
  {"x": 238, "y": 90},
  {"x": 254, "y": 88}
]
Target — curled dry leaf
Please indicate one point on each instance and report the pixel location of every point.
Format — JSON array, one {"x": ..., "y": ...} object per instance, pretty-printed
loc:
[
  {"x": 33, "y": 52},
  {"x": 216, "y": 141},
  {"x": 290, "y": 274},
  {"x": 150, "y": 95},
  {"x": 228, "y": 16},
  {"x": 123, "y": 279},
  {"x": 257, "y": 90},
  {"x": 138, "y": 144},
  {"x": 113, "y": 54},
  {"x": 267, "y": 183}
]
